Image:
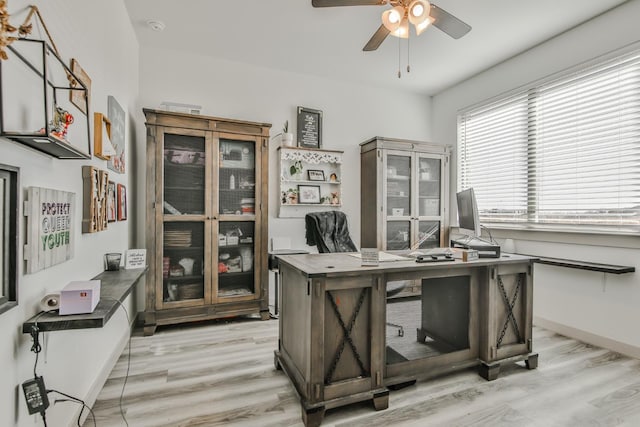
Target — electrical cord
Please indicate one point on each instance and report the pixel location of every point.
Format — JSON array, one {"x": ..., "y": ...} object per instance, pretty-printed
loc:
[
  {"x": 490, "y": 236},
  {"x": 126, "y": 376},
  {"x": 36, "y": 347},
  {"x": 70, "y": 398}
]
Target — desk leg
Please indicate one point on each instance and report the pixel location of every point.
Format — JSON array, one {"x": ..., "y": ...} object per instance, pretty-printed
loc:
[{"x": 276, "y": 289}]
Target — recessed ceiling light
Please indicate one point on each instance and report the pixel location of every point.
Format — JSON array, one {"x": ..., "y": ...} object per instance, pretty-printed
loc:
[{"x": 155, "y": 25}]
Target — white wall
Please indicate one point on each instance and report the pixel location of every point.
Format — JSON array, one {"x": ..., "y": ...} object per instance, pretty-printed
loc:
[
  {"x": 351, "y": 114},
  {"x": 99, "y": 35},
  {"x": 593, "y": 306}
]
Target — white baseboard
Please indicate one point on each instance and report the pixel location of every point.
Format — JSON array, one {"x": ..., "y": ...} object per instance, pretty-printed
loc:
[{"x": 588, "y": 337}]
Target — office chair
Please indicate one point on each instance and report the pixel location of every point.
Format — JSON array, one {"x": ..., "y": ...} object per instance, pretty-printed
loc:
[{"x": 330, "y": 233}]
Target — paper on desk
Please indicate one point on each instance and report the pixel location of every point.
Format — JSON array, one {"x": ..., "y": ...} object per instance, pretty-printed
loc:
[{"x": 382, "y": 256}]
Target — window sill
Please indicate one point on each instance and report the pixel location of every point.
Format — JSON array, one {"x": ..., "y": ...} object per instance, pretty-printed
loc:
[
  {"x": 7, "y": 306},
  {"x": 580, "y": 237}
]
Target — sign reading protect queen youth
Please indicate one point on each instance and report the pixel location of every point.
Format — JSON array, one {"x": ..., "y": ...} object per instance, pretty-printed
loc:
[
  {"x": 309, "y": 128},
  {"x": 49, "y": 227}
]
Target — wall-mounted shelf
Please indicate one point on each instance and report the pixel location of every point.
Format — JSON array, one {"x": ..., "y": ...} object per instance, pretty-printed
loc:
[
  {"x": 35, "y": 106},
  {"x": 114, "y": 286},
  {"x": 326, "y": 166}
]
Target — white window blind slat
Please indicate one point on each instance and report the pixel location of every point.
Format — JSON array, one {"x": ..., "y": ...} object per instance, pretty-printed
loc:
[{"x": 565, "y": 151}]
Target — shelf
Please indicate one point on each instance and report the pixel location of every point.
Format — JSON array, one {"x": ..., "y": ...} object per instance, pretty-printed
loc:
[
  {"x": 30, "y": 120},
  {"x": 301, "y": 181},
  {"x": 307, "y": 205},
  {"x": 115, "y": 285},
  {"x": 184, "y": 278}
]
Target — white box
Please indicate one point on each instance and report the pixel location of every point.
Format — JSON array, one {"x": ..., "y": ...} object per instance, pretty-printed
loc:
[
  {"x": 80, "y": 297},
  {"x": 465, "y": 254}
]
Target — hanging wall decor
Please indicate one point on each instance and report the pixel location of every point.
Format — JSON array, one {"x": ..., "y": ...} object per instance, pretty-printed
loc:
[
  {"x": 49, "y": 228},
  {"x": 79, "y": 98},
  {"x": 111, "y": 201},
  {"x": 117, "y": 116},
  {"x": 95, "y": 184},
  {"x": 122, "y": 202}
]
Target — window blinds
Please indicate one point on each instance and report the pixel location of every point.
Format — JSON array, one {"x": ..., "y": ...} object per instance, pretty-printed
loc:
[{"x": 564, "y": 151}]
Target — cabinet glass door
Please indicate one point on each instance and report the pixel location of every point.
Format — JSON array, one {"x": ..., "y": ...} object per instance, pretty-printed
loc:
[
  {"x": 429, "y": 187},
  {"x": 398, "y": 185},
  {"x": 184, "y": 175},
  {"x": 236, "y": 276},
  {"x": 428, "y": 234},
  {"x": 183, "y": 207},
  {"x": 236, "y": 248},
  {"x": 183, "y": 262},
  {"x": 398, "y": 201}
]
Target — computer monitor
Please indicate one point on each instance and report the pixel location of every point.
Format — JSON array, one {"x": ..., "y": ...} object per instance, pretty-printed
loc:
[{"x": 468, "y": 219}]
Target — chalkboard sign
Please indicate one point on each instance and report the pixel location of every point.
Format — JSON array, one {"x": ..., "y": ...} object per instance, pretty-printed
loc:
[{"x": 309, "y": 128}]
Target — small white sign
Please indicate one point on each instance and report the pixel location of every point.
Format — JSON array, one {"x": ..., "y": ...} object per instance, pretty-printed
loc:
[
  {"x": 369, "y": 256},
  {"x": 135, "y": 258}
]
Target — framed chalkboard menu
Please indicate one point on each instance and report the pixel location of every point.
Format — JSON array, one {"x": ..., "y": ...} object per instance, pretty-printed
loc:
[{"x": 309, "y": 127}]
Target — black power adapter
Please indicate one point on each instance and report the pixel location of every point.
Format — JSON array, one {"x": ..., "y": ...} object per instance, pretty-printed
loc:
[{"x": 36, "y": 395}]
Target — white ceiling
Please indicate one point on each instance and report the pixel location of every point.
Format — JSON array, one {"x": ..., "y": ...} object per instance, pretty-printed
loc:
[{"x": 292, "y": 35}]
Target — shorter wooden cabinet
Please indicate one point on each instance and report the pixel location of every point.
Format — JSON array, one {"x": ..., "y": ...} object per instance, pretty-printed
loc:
[
  {"x": 207, "y": 193},
  {"x": 404, "y": 194}
]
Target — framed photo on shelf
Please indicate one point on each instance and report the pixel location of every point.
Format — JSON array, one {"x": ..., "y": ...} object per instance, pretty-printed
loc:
[
  {"x": 122, "y": 202},
  {"x": 315, "y": 175},
  {"x": 309, "y": 194},
  {"x": 309, "y": 128}
]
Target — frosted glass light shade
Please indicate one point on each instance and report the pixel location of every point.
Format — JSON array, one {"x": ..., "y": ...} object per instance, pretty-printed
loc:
[{"x": 392, "y": 18}]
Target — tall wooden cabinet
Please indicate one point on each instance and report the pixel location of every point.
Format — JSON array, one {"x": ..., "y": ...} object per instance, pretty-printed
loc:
[
  {"x": 206, "y": 220},
  {"x": 404, "y": 194}
]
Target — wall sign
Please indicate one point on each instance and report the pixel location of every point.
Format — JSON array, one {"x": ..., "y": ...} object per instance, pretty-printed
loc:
[
  {"x": 49, "y": 227},
  {"x": 309, "y": 128}
]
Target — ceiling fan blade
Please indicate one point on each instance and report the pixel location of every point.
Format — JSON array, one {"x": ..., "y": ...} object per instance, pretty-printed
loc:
[
  {"x": 377, "y": 39},
  {"x": 448, "y": 23},
  {"x": 332, "y": 3}
]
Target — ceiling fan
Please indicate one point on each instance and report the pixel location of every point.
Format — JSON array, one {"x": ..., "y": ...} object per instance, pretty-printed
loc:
[{"x": 395, "y": 21}]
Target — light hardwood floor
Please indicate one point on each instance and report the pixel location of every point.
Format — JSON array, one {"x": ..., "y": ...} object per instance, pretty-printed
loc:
[{"x": 222, "y": 374}]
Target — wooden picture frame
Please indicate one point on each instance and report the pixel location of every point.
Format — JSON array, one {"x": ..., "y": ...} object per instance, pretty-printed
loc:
[
  {"x": 315, "y": 175},
  {"x": 77, "y": 97},
  {"x": 309, "y": 128},
  {"x": 122, "y": 202},
  {"x": 102, "y": 147},
  {"x": 309, "y": 194},
  {"x": 111, "y": 202}
]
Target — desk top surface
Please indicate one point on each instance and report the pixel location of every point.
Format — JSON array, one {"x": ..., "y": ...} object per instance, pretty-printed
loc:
[{"x": 334, "y": 264}]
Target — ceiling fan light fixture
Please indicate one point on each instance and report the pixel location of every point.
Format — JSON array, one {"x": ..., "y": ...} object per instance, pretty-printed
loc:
[
  {"x": 392, "y": 18},
  {"x": 419, "y": 11},
  {"x": 424, "y": 25},
  {"x": 403, "y": 29}
]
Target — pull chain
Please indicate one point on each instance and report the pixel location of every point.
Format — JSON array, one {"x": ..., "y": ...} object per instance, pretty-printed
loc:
[
  {"x": 408, "y": 54},
  {"x": 399, "y": 51}
]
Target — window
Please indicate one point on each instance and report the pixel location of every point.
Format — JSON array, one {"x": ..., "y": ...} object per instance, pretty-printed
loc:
[
  {"x": 8, "y": 236},
  {"x": 563, "y": 152}
]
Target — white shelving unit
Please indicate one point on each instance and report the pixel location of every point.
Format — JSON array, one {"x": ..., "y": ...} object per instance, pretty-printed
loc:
[{"x": 328, "y": 182}]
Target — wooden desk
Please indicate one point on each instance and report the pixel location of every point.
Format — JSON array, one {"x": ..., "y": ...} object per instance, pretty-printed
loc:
[{"x": 333, "y": 341}]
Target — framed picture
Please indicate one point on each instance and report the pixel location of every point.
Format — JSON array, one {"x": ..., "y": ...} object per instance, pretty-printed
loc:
[
  {"x": 309, "y": 194},
  {"x": 77, "y": 97},
  {"x": 309, "y": 128},
  {"x": 122, "y": 202},
  {"x": 315, "y": 175},
  {"x": 117, "y": 117},
  {"x": 111, "y": 201}
]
